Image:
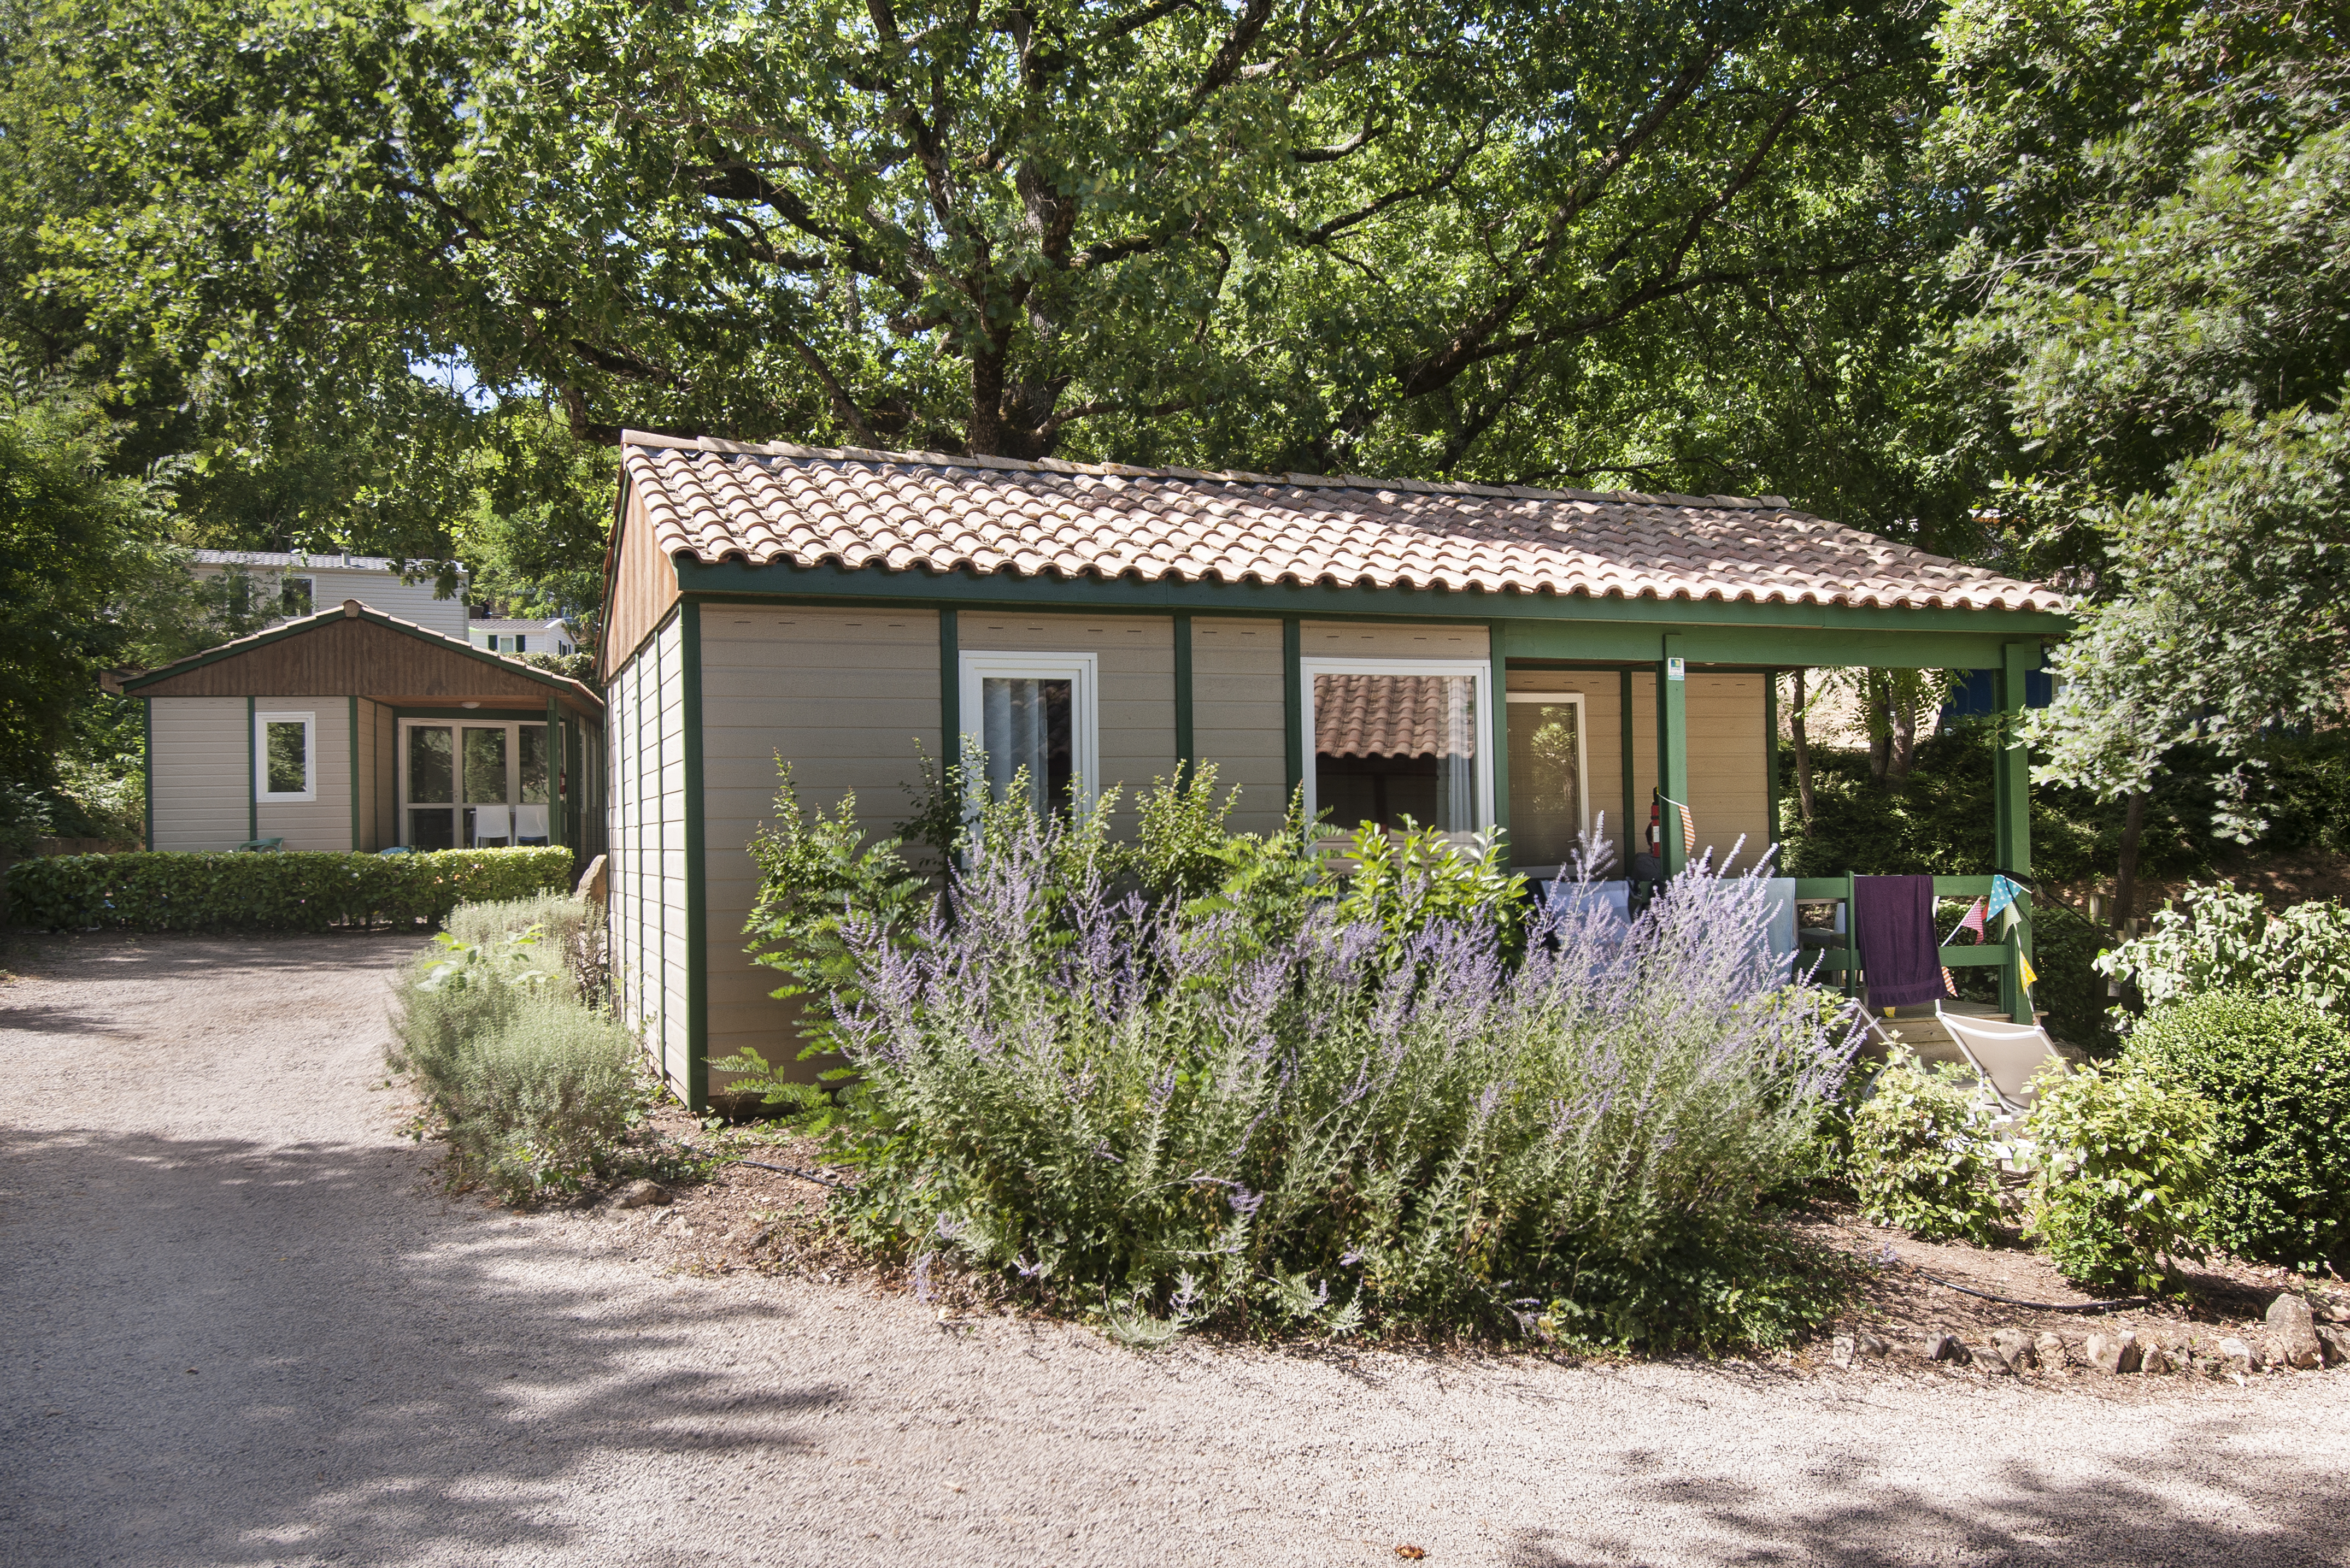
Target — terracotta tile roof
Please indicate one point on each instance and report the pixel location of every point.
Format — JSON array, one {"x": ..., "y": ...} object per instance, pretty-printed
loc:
[{"x": 717, "y": 500}]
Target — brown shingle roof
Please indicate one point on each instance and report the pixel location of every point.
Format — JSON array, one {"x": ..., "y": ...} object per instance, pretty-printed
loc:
[
  {"x": 1383, "y": 716},
  {"x": 716, "y": 501}
]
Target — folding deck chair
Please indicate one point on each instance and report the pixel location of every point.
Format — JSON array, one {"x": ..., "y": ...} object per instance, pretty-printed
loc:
[{"x": 2006, "y": 1054}]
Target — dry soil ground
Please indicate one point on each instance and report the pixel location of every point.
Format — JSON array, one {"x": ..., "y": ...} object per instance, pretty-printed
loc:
[{"x": 242, "y": 1325}]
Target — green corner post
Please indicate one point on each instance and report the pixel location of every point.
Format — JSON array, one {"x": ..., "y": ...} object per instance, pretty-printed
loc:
[
  {"x": 1292, "y": 702},
  {"x": 551, "y": 752},
  {"x": 1187, "y": 757},
  {"x": 1771, "y": 760},
  {"x": 949, "y": 691},
  {"x": 1628, "y": 830},
  {"x": 2011, "y": 796},
  {"x": 1497, "y": 655},
  {"x": 697, "y": 888},
  {"x": 147, "y": 764},
  {"x": 252, "y": 777},
  {"x": 1672, "y": 747}
]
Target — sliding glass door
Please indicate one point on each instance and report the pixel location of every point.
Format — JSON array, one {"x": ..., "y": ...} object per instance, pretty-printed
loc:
[{"x": 473, "y": 786}]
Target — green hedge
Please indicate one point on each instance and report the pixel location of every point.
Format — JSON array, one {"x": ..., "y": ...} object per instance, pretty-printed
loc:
[{"x": 171, "y": 891}]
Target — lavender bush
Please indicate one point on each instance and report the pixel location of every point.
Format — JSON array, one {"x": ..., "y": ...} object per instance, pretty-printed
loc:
[{"x": 1160, "y": 1113}]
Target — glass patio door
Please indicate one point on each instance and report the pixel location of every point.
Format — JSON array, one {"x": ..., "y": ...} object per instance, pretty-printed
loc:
[{"x": 475, "y": 786}]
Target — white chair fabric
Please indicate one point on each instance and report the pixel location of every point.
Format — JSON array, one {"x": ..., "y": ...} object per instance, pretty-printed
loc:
[
  {"x": 529, "y": 822},
  {"x": 2006, "y": 1054},
  {"x": 493, "y": 822}
]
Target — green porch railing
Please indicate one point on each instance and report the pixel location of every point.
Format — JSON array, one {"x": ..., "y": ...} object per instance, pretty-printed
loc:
[{"x": 2001, "y": 955}]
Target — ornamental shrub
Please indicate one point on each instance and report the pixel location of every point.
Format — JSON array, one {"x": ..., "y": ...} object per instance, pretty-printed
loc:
[
  {"x": 2277, "y": 1072},
  {"x": 2226, "y": 940},
  {"x": 1163, "y": 1113},
  {"x": 297, "y": 891},
  {"x": 534, "y": 1090},
  {"x": 2125, "y": 1164},
  {"x": 1924, "y": 1158}
]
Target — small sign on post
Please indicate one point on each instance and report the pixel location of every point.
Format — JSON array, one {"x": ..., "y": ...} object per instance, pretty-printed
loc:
[{"x": 1674, "y": 669}]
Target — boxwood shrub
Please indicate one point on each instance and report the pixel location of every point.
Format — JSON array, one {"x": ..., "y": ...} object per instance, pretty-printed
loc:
[
  {"x": 301, "y": 891},
  {"x": 2277, "y": 1072}
]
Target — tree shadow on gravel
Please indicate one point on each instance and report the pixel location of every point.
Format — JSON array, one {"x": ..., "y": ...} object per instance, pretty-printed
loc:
[
  {"x": 2169, "y": 1508},
  {"x": 219, "y": 1352}
]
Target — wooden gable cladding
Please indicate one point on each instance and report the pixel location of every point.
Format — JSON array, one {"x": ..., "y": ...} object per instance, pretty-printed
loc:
[{"x": 359, "y": 656}]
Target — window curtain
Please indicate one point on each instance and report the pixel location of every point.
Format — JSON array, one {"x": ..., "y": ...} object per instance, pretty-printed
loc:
[
  {"x": 1457, "y": 764},
  {"x": 1017, "y": 736}
]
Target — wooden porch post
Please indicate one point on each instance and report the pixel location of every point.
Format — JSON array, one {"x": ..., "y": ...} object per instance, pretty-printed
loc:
[
  {"x": 551, "y": 752},
  {"x": 1672, "y": 748},
  {"x": 2012, "y": 783}
]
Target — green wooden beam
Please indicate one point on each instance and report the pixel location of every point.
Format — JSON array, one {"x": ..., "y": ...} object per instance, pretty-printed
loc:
[
  {"x": 1672, "y": 746},
  {"x": 1292, "y": 702},
  {"x": 252, "y": 786},
  {"x": 1497, "y": 662},
  {"x": 1631, "y": 830},
  {"x": 353, "y": 736},
  {"x": 1771, "y": 759},
  {"x": 949, "y": 691},
  {"x": 147, "y": 764},
  {"x": 830, "y": 581},
  {"x": 551, "y": 752},
  {"x": 1187, "y": 757},
  {"x": 2012, "y": 796},
  {"x": 697, "y": 880}
]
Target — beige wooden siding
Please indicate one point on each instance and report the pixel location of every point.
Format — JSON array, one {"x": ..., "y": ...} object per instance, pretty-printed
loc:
[
  {"x": 201, "y": 772},
  {"x": 1237, "y": 716},
  {"x": 841, "y": 695},
  {"x": 1136, "y": 695},
  {"x": 1381, "y": 639},
  {"x": 647, "y": 826},
  {"x": 323, "y": 823},
  {"x": 1729, "y": 788}
]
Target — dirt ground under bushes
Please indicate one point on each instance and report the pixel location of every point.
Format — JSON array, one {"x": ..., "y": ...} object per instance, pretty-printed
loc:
[{"x": 248, "y": 1326}]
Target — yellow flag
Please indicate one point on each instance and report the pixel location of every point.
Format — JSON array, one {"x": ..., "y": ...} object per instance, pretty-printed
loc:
[{"x": 2025, "y": 964}]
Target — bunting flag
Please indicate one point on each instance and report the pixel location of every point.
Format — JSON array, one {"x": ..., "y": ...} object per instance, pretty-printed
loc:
[
  {"x": 2003, "y": 896},
  {"x": 1977, "y": 913},
  {"x": 1689, "y": 823},
  {"x": 2024, "y": 965}
]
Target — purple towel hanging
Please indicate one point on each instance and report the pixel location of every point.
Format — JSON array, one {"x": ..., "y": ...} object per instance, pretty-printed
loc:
[{"x": 1893, "y": 923}]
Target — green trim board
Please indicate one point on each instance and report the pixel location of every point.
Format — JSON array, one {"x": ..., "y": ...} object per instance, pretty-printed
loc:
[
  {"x": 697, "y": 880},
  {"x": 1672, "y": 748},
  {"x": 1497, "y": 723},
  {"x": 1771, "y": 758},
  {"x": 1631, "y": 827},
  {"x": 554, "y": 754},
  {"x": 352, "y": 724},
  {"x": 950, "y": 691},
  {"x": 252, "y": 777},
  {"x": 1187, "y": 754},
  {"x": 832, "y": 582},
  {"x": 147, "y": 764},
  {"x": 1293, "y": 702}
]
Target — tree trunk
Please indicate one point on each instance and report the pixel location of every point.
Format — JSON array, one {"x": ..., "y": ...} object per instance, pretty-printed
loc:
[
  {"x": 1878, "y": 707},
  {"x": 1904, "y": 724},
  {"x": 2126, "y": 878},
  {"x": 1803, "y": 754}
]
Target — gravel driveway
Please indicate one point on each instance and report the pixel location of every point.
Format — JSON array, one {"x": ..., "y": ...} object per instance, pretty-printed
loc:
[{"x": 241, "y": 1326}]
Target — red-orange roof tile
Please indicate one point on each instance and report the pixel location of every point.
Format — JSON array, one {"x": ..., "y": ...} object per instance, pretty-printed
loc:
[{"x": 717, "y": 500}]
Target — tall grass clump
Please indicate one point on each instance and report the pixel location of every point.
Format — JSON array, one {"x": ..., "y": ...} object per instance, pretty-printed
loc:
[
  {"x": 534, "y": 1089},
  {"x": 1305, "y": 1116}
]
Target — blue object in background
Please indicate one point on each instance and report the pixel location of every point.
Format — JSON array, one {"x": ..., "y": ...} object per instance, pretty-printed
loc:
[{"x": 1974, "y": 694}]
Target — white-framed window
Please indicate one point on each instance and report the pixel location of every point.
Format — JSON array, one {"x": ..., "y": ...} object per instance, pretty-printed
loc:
[
  {"x": 285, "y": 756},
  {"x": 483, "y": 783},
  {"x": 1550, "y": 777},
  {"x": 1036, "y": 712},
  {"x": 297, "y": 596},
  {"x": 1390, "y": 738}
]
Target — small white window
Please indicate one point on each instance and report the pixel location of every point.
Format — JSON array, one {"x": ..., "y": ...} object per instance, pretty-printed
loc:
[
  {"x": 1035, "y": 712},
  {"x": 1386, "y": 739},
  {"x": 285, "y": 756},
  {"x": 295, "y": 598}
]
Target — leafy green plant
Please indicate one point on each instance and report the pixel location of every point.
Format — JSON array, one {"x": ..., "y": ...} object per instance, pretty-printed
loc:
[
  {"x": 175, "y": 891},
  {"x": 1924, "y": 1158},
  {"x": 1402, "y": 882},
  {"x": 534, "y": 1090},
  {"x": 2276, "y": 1071},
  {"x": 2226, "y": 940},
  {"x": 2125, "y": 1161}
]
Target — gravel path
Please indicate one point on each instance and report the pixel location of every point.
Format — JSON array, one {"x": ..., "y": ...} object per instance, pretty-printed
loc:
[{"x": 241, "y": 1326}]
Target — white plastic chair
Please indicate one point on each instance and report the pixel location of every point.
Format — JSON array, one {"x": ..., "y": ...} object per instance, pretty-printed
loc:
[
  {"x": 529, "y": 823},
  {"x": 2007, "y": 1055},
  {"x": 493, "y": 822}
]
